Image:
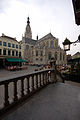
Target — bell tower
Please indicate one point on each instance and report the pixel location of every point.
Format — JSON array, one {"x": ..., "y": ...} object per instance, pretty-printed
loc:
[{"x": 28, "y": 32}]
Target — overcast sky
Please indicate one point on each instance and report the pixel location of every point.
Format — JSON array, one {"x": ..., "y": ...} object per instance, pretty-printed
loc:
[{"x": 55, "y": 16}]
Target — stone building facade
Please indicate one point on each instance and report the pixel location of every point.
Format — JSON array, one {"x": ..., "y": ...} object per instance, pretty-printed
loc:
[
  {"x": 40, "y": 51},
  {"x": 9, "y": 48}
]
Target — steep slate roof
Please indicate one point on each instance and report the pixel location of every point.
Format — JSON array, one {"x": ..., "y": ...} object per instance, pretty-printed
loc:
[
  {"x": 48, "y": 36},
  {"x": 30, "y": 41}
]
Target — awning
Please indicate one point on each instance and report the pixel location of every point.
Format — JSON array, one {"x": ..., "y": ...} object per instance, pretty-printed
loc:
[{"x": 15, "y": 60}]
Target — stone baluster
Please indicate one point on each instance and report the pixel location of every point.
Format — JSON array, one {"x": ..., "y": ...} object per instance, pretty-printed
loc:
[
  {"x": 40, "y": 79},
  {"x": 43, "y": 78},
  {"x": 28, "y": 91},
  {"x": 32, "y": 82},
  {"x": 37, "y": 81},
  {"x": 47, "y": 77},
  {"x": 15, "y": 91},
  {"x": 22, "y": 87},
  {"x": 6, "y": 103}
]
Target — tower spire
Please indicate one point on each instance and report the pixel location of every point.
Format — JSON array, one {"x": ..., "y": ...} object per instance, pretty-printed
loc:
[
  {"x": 28, "y": 33},
  {"x": 28, "y": 22},
  {"x": 37, "y": 37}
]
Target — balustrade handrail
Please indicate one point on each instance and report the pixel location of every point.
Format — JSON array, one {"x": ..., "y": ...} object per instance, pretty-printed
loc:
[
  {"x": 30, "y": 83},
  {"x": 22, "y": 76}
]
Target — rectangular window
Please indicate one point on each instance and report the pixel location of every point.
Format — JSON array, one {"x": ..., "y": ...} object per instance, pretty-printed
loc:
[
  {"x": 4, "y": 44},
  {"x": 36, "y": 53},
  {"x": 9, "y": 52},
  {"x": 41, "y": 59},
  {"x": 4, "y": 52},
  {"x": 16, "y": 53},
  {"x": 0, "y": 42},
  {"x": 19, "y": 46},
  {"x": 41, "y": 53},
  {"x": 19, "y": 54},
  {"x": 16, "y": 46},
  {"x": 9, "y": 44},
  {"x": 12, "y": 53},
  {"x": 0, "y": 51},
  {"x": 13, "y": 46}
]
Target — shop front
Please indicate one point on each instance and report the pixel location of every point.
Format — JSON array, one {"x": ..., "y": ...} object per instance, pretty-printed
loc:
[{"x": 14, "y": 61}]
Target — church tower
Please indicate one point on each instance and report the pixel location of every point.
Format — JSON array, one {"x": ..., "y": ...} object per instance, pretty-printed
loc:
[{"x": 28, "y": 33}]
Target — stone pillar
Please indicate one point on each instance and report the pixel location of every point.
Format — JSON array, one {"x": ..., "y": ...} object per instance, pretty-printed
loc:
[{"x": 53, "y": 72}]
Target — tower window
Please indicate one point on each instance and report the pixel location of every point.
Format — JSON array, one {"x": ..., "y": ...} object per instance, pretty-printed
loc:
[{"x": 27, "y": 47}]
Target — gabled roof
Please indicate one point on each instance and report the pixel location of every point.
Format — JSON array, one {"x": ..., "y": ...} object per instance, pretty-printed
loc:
[
  {"x": 30, "y": 41},
  {"x": 48, "y": 36}
]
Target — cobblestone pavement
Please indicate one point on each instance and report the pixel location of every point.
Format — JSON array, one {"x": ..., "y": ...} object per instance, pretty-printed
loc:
[
  {"x": 56, "y": 102},
  {"x": 5, "y": 74}
]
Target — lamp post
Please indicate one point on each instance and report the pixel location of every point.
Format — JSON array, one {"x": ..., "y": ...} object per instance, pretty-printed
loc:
[{"x": 67, "y": 43}]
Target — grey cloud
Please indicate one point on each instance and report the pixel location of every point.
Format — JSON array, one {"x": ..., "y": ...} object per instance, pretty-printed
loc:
[{"x": 4, "y": 4}]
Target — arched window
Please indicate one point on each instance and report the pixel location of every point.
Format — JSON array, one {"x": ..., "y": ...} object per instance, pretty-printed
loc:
[
  {"x": 47, "y": 44},
  {"x": 51, "y": 44},
  {"x": 36, "y": 53},
  {"x": 27, "y": 47},
  {"x": 41, "y": 53}
]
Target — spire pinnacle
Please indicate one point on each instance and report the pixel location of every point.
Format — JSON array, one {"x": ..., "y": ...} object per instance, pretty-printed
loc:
[
  {"x": 28, "y": 22},
  {"x": 37, "y": 37}
]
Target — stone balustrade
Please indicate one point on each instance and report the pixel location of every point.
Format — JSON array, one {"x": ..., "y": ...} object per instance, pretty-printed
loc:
[{"x": 13, "y": 91}]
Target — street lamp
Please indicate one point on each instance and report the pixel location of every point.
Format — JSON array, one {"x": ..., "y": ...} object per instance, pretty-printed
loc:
[{"x": 67, "y": 43}]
